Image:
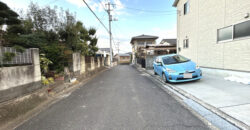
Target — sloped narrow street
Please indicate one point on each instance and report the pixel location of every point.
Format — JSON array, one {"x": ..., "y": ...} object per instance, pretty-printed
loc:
[{"x": 120, "y": 98}]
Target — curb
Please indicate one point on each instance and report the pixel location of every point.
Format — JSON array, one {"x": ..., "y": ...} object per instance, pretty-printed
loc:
[{"x": 216, "y": 111}]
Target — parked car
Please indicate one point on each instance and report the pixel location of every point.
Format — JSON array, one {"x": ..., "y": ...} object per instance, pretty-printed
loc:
[{"x": 176, "y": 68}]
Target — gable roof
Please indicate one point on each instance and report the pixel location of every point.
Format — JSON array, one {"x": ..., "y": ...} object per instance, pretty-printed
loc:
[
  {"x": 175, "y": 3},
  {"x": 172, "y": 42},
  {"x": 143, "y": 37}
]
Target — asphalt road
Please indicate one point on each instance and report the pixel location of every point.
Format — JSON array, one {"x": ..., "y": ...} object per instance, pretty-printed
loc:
[{"x": 120, "y": 98}]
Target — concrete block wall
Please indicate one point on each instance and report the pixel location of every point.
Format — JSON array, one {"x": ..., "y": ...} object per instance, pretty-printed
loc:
[
  {"x": 200, "y": 26},
  {"x": 92, "y": 63},
  {"x": 76, "y": 63},
  {"x": 18, "y": 80},
  {"x": 83, "y": 66},
  {"x": 98, "y": 62},
  {"x": 86, "y": 66}
]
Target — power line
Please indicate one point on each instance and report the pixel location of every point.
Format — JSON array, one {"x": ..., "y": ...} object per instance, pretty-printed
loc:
[
  {"x": 96, "y": 16},
  {"x": 150, "y": 11},
  {"x": 102, "y": 5},
  {"x": 103, "y": 17}
]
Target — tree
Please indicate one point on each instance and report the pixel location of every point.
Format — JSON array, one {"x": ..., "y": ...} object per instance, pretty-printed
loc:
[
  {"x": 93, "y": 42},
  {"x": 57, "y": 34},
  {"x": 8, "y": 16}
]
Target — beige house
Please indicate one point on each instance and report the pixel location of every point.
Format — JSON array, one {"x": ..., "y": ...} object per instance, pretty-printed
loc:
[
  {"x": 139, "y": 43},
  {"x": 123, "y": 58},
  {"x": 215, "y": 33}
]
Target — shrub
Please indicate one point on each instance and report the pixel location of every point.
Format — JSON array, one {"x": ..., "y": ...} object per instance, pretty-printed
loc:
[
  {"x": 45, "y": 81},
  {"x": 8, "y": 56},
  {"x": 51, "y": 80}
]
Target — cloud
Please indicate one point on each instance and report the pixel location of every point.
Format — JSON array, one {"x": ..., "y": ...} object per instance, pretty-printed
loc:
[
  {"x": 163, "y": 33},
  {"x": 95, "y": 6}
]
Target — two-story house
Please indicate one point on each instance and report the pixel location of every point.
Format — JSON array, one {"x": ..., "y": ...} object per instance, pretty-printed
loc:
[
  {"x": 215, "y": 33},
  {"x": 139, "y": 44}
]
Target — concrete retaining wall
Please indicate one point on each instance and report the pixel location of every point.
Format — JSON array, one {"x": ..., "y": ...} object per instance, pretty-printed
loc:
[{"x": 18, "y": 80}]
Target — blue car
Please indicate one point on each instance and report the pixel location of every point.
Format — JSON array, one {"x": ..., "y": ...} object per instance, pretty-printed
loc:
[{"x": 176, "y": 68}]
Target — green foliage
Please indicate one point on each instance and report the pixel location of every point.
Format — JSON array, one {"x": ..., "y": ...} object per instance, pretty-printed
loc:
[
  {"x": 45, "y": 81},
  {"x": 55, "y": 32},
  {"x": 51, "y": 80},
  {"x": 19, "y": 48},
  {"x": 7, "y": 16},
  {"x": 15, "y": 29},
  {"x": 44, "y": 63},
  {"x": 7, "y": 56},
  {"x": 56, "y": 54}
]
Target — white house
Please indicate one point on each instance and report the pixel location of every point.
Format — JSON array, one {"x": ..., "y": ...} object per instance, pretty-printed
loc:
[{"x": 215, "y": 33}]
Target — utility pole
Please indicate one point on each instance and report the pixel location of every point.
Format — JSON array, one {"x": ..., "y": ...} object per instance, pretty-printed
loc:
[
  {"x": 110, "y": 34},
  {"x": 118, "y": 44}
]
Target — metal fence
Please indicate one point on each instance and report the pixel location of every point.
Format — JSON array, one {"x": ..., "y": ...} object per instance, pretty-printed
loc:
[{"x": 23, "y": 58}]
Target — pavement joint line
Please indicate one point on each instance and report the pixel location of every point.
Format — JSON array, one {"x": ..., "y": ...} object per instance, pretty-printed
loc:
[
  {"x": 214, "y": 110},
  {"x": 235, "y": 105}
]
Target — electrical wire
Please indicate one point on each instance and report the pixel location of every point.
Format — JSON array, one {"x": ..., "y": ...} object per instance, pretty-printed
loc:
[
  {"x": 149, "y": 11},
  {"x": 102, "y": 5},
  {"x": 96, "y": 16}
]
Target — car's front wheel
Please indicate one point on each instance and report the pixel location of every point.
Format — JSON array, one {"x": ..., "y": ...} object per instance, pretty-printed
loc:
[
  {"x": 164, "y": 79},
  {"x": 155, "y": 72}
]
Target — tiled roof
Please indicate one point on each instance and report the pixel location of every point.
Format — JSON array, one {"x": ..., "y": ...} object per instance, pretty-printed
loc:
[
  {"x": 143, "y": 37},
  {"x": 175, "y": 3},
  {"x": 172, "y": 42}
]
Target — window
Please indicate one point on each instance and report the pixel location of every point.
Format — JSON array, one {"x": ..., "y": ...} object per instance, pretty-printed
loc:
[
  {"x": 174, "y": 59},
  {"x": 140, "y": 43},
  {"x": 186, "y": 8},
  {"x": 185, "y": 43},
  {"x": 225, "y": 33},
  {"x": 242, "y": 29}
]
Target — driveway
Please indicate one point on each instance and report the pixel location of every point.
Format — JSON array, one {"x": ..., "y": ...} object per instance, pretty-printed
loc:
[
  {"x": 230, "y": 97},
  {"x": 120, "y": 98}
]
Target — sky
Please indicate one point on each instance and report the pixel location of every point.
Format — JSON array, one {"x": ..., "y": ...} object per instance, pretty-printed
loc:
[{"x": 135, "y": 17}]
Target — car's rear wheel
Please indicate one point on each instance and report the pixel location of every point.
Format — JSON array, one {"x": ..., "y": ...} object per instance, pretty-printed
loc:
[{"x": 164, "y": 79}]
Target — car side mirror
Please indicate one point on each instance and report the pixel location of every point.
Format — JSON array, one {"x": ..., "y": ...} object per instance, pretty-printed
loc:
[{"x": 159, "y": 64}]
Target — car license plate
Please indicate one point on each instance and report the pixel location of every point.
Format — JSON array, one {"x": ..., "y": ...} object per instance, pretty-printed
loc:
[{"x": 187, "y": 76}]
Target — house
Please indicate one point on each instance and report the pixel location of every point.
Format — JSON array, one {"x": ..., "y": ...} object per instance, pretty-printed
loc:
[
  {"x": 139, "y": 43},
  {"x": 215, "y": 33},
  {"x": 170, "y": 42},
  {"x": 160, "y": 49},
  {"x": 104, "y": 52},
  {"x": 123, "y": 58}
]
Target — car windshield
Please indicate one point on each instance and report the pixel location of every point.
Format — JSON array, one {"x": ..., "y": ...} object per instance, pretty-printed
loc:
[{"x": 174, "y": 59}]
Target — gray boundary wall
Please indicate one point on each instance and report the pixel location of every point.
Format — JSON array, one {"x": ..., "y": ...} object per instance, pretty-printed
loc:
[
  {"x": 19, "y": 80},
  {"x": 149, "y": 62},
  {"x": 85, "y": 64}
]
